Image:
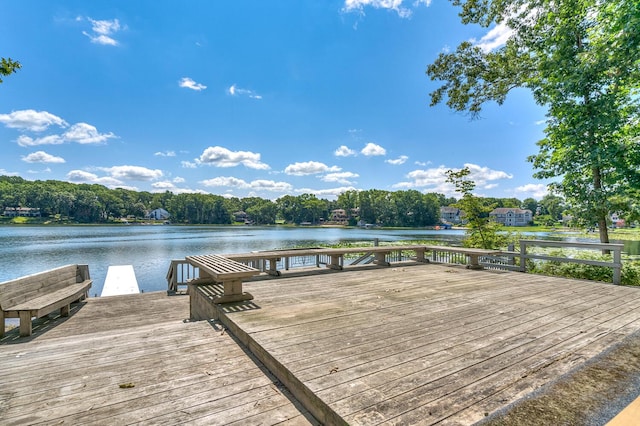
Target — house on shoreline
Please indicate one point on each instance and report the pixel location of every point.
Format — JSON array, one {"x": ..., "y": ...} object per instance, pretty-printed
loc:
[
  {"x": 512, "y": 216},
  {"x": 22, "y": 211}
]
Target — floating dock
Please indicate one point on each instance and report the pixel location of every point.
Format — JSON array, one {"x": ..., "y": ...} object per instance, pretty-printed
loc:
[{"x": 121, "y": 279}]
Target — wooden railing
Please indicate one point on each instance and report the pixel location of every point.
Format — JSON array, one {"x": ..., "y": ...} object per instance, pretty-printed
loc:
[
  {"x": 179, "y": 274},
  {"x": 272, "y": 262},
  {"x": 615, "y": 264}
]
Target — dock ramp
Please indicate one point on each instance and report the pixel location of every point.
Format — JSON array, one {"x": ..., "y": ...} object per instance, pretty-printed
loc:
[{"x": 121, "y": 279}]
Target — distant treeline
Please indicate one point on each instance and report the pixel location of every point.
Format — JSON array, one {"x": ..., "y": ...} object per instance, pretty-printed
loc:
[{"x": 92, "y": 203}]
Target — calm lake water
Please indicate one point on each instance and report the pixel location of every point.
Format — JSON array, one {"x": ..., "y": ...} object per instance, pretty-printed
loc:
[{"x": 29, "y": 249}]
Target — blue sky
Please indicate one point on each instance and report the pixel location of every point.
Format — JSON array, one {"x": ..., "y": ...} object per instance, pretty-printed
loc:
[{"x": 251, "y": 98}]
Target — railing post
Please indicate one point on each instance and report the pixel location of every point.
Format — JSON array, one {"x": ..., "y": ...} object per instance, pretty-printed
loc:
[
  {"x": 523, "y": 252},
  {"x": 511, "y": 259},
  {"x": 617, "y": 265}
]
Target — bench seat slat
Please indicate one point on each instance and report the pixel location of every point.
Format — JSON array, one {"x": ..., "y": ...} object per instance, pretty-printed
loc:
[{"x": 42, "y": 302}]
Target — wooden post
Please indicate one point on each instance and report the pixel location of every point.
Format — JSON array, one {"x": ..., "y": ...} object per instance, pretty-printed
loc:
[
  {"x": 335, "y": 262},
  {"x": 420, "y": 255},
  {"x": 381, "y": 258},
  {"x": 273, "y": 270},
  {"x": 523, "y": 252},
  {"x": 617, "y": 266},
  {"x": 25, "y": 323},
  {"x": 474, "y": 261}
]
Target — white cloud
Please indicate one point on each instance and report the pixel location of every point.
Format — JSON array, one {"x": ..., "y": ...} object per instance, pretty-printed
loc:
[
  {"x": 34, "y": 172},
  {"x": 165, "y": 154},
  {"x": 256, "y": 185},
  {"x": 344, "y": 151},
  {"x": 80, "y": 176},
  {"x": 269, "y": 185},
  {"x": 29, "y": 119},
  {"x": 495, "y": 38},
  {"x": 395, "y": 5},
  {"x": 133, "y": 173},
  {"x": 425, "y": 178},
  {"x": 236, "y": 91},
  {"x": 482, "y": 175},
  {"x": 24, "y": 140},
  {"x": 533, "y": 190},
  {"x": 372, "y": 149},
  {"x": 188, "y": 165},
  {"x": 228, "y": 182},
  {"x": 188, "y": 83},
  {"x": 38, "y": 121},
  {"x": 102, "y": 31},
  {"x": 84, "y": 133},
  {"x": 309, "y": 168},
  {"x": 435, "y": 179},
  {"x": 398, "y": 161},
  {"x": 222, "y": 157},
  {"x": 179, "y": 179},
  {"x": 164, "y": 185},
  {"x": 344, "y": 178},
  {"x": 4, "y": 172},
  {"x": 330, "y": 193},
  {"x": 42, "y": 157},
  {"x": 498, "y": 35}
]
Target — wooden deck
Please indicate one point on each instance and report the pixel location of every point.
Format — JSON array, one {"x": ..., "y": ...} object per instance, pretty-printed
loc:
[
  {"x": 133, "y": 359},
  {"x": 411, "y": 344},
  {"x": 428, "y": 344}
]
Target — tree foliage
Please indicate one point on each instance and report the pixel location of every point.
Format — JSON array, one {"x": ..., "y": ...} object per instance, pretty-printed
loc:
[
  {"x": 581, "y": 60},
  {"x": 8, "y": 67},
  {"x": 92, "y": 203},
  {"x": 482, "y": 231}
]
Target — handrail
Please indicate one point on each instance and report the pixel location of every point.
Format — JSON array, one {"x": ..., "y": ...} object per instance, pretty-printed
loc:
[
  {"x": 616, "y": 264},
  {"x": 180, "y": 271}
]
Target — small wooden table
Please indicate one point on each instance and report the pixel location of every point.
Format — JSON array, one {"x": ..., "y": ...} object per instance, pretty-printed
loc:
[{"x": 219, "y": 269}]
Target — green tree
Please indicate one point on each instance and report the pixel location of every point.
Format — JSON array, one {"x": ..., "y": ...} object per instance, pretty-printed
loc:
[
  {"x": 8, "y": 67},
  {"x": 262, "y": 212},
  {"x": 482, "y": 231},
  {"x": 530, "y": 204},
  {"x": 552, "y": 205},
  {"x": 579, "y": 58},
  {"x": 289, "y": 208}
]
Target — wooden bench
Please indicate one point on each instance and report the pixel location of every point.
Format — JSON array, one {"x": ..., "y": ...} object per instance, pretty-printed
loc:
[
  {"x": 218, "y": 269},
  {"x": 40, "y": 294}
]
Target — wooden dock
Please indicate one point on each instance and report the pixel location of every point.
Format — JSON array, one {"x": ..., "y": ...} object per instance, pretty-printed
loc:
[
  {"x": 121, "y": 279},
  {"x": 133, "y": 359},
  {"x": 410, "y": 344}
]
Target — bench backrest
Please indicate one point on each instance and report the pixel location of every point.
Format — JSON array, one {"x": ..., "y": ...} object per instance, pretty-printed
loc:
[{"x": 28, "y": 287}]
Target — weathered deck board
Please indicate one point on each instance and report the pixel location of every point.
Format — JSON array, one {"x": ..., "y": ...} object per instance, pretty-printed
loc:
[
  {"x": 431, "y": 343},
  {"x": 70, "y": 371},
  {"x": 412, "y": 344}
]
